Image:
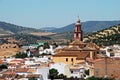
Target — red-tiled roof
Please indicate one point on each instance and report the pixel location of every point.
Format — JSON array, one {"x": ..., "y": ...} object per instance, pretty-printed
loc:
[
  {"x": 78, "y": 54},
  {"x": 8, "y": 76},
  {"x": 17, "y": 61},
  {"x": 93, "y": 61},
  {"x": 9, "y": 72},
  {"x": 22, "y": 70},
  {"x": 1, "y": 62},
  {"x": 72, "y": 48},
  {"x": 77, "y": 42},
  {"x": 88, "y": 48},
  {"x": 1, "y": 78},
  {"x": 12, "y": 64}
]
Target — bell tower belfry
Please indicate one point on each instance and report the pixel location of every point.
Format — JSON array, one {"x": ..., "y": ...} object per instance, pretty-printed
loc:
[{"x": 78, "y": 31}]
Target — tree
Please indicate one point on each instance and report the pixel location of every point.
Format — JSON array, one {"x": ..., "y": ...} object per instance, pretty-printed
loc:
[
  {"x": 46, "y": 46},
  {"x": 3, "y": 66},
  {"x": 87, "y": 72},
  {"x": 61, "y": 76},
  {"x": 32, "y": 78},
  {"x": 43, "y": 54},
  {"x": 98, "y": 78},
  {"x": 53, "y": 73},
  {"x": 21, "y": 55},
  {"x": 55, "y": 45}
]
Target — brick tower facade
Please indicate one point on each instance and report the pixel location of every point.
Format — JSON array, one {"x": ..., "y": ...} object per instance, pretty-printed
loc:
[{"x": 78, "y": 31}]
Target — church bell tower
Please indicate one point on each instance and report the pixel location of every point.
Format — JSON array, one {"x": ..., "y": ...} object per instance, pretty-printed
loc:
[{"x": 78, "y": 31}]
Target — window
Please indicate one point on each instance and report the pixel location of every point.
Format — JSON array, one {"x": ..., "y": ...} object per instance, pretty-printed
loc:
[
  {"x": 77, "y": 34},
  {"x": 97, "y": 52},
  {"x": 72, "y": 59},
  {"x": 49, "y": 58},
  {"x": 71, "y": 71},
  {"x": 112, "y": 54},
  {"x": 109, "y": 50},
  {"x": 66, "y": 59}
]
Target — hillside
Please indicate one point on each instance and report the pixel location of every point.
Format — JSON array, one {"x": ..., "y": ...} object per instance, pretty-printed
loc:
[
  {"x": 64, "y": 35},
  {"x": 88, "y": 26},
  {"x": 108, "y": 36},
  {"x": 47, "y": 29},
  {"x": 24, "y": 39},
  {"x": 8, "y": 28}
]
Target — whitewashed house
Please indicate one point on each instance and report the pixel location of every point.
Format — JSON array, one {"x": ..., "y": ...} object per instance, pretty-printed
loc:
[
  {"x": 44, "y": 72},
  {"x": 46, "y": 51},
  {"x": 77, "y": 71},
  {"x": 62, "y": 68},
  {"x": 111, "y": 51}
]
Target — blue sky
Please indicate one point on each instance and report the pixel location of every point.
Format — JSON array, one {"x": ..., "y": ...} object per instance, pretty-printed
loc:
[{"x": 57, "y": 13}]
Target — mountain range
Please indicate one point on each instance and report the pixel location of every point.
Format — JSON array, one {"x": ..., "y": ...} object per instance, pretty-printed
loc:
[
  {"x": 100, "y": 30},
  {"x": 48, "y": 28},
  {"x": 8, "y": 28},
  {"x": 88, "y": 26}
]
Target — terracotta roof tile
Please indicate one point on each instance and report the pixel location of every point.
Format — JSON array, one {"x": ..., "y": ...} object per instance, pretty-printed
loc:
[
  {"x": 31, "y": 70},
  {"x": 1, "y": 62},
  {"x": 72, "y": 48},
  {"x": 93, "y": 61},
  {"x": 9, "y": 72},
  {"x": 8, "y": 76},
  {"x": 1, "y": 78},
  {"x": 88, "y": 48},
  {"x": 17, "y": 61},
  {"x": 77, "y": 42},
  {"x": 12, "y": 64},
  {"x": 22, "y": 70},
  {"x": 78, "y": 54}
]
